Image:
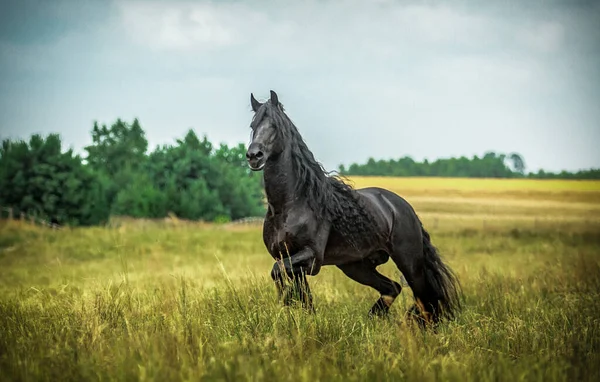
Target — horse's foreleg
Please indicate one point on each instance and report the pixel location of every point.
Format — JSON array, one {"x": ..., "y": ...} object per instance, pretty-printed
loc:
[
  {"x": 297, "y": 291},
  {"x": 300, "y": 291},
  {"x": 277, "y": 275},
  {"x": 296, "y": 268}
]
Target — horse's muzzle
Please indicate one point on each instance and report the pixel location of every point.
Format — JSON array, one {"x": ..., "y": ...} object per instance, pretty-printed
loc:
[{"x": 255, "y": 157}]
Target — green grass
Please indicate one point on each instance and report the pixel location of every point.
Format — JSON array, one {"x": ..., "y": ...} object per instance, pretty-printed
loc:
[{"x": 161, "y": 301}]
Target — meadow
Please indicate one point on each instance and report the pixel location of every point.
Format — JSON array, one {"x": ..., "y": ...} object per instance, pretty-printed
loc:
[{"x": 171, "y": 300}]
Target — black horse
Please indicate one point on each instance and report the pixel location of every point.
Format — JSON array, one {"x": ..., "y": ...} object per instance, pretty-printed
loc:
[{"x": 315, "y": 219}]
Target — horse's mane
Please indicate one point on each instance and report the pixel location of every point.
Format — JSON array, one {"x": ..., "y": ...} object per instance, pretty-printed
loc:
[{"x": 327, "y": 194}]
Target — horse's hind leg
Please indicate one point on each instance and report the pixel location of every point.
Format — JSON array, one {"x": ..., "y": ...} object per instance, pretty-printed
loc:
[
  {"x": 365, "y": 272},
  {"x": 433, "y": 284},
  {"x": 409, "y": 260}
]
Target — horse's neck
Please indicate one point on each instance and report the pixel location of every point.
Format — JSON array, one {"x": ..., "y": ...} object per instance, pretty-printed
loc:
[{"x": 279, "y": 182}]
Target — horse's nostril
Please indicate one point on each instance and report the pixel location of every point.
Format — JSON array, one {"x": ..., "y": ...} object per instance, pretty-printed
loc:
[{"x": 252, "y": 154}]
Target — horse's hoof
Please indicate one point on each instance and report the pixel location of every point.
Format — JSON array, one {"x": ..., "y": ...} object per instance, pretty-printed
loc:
[{"x": 419, "y": 320}]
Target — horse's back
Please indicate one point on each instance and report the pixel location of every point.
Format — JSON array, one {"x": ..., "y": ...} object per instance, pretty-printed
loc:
[
  {"x": 398, "y": 213},
  {"x": 391, "y": 199}
]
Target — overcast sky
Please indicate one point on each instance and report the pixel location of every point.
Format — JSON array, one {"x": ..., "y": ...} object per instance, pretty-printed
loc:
[{"x": 359, "y": 78}]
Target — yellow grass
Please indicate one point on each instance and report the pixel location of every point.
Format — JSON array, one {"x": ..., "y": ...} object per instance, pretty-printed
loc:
[
  {"x": 181, "y": 301},
  {"x": 477, "y": 184},
  {"x": 491, "y": 199}
]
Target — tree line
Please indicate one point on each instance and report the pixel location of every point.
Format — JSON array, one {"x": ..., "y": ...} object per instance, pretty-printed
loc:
[
  {"x": 490, "y": 165},
  {"x": 192, "y": 178}
]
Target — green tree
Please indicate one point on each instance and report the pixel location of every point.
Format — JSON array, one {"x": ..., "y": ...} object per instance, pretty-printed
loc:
[
  {"x": 203, "y": 183},
  {"x": 241, "y": 192},
  {"x": 490, "y": 165},
  {"x": 39, "y": 179},
  {"x": 141, "y": 199},
  {"x": 117, "y": 154}
]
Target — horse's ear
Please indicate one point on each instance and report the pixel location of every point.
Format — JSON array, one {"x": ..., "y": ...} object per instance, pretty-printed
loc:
[
  {"x": 255, "y": 104},
  {"x": 274, "y": 99}
]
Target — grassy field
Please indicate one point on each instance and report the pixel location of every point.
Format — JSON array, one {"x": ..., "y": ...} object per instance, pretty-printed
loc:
[{"x": 169, "y": 300}]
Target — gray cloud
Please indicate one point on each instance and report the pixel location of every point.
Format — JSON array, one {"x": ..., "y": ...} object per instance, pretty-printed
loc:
[{"x": 382, "y": 79}]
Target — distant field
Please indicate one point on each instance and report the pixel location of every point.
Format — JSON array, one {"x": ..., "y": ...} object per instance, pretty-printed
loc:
[
  {"x": 475, "y": 184},
  {"x": 528, "y": 200},
  {"x": 520, "y": 190},
  {"x": 172, "y": 300}
]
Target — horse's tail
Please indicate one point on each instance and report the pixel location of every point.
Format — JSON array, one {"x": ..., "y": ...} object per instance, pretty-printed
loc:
[{"x": 443, "y": 290}]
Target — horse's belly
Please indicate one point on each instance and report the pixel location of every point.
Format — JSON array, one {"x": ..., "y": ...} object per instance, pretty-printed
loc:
[{"x": 338, "y": 251}]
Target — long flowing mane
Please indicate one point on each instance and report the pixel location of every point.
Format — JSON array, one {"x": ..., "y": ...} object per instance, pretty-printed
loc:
[{"x": 328, "y": 195}]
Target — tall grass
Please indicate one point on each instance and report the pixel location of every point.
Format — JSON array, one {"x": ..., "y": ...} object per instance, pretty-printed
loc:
[{"x": 194, "y": 302}]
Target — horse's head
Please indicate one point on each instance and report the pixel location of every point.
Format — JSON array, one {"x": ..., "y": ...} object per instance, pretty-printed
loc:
[{"x": 266, "y": 140}]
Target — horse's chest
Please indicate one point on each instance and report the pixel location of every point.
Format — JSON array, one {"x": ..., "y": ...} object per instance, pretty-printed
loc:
[{"x": 284, "y": 235}]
